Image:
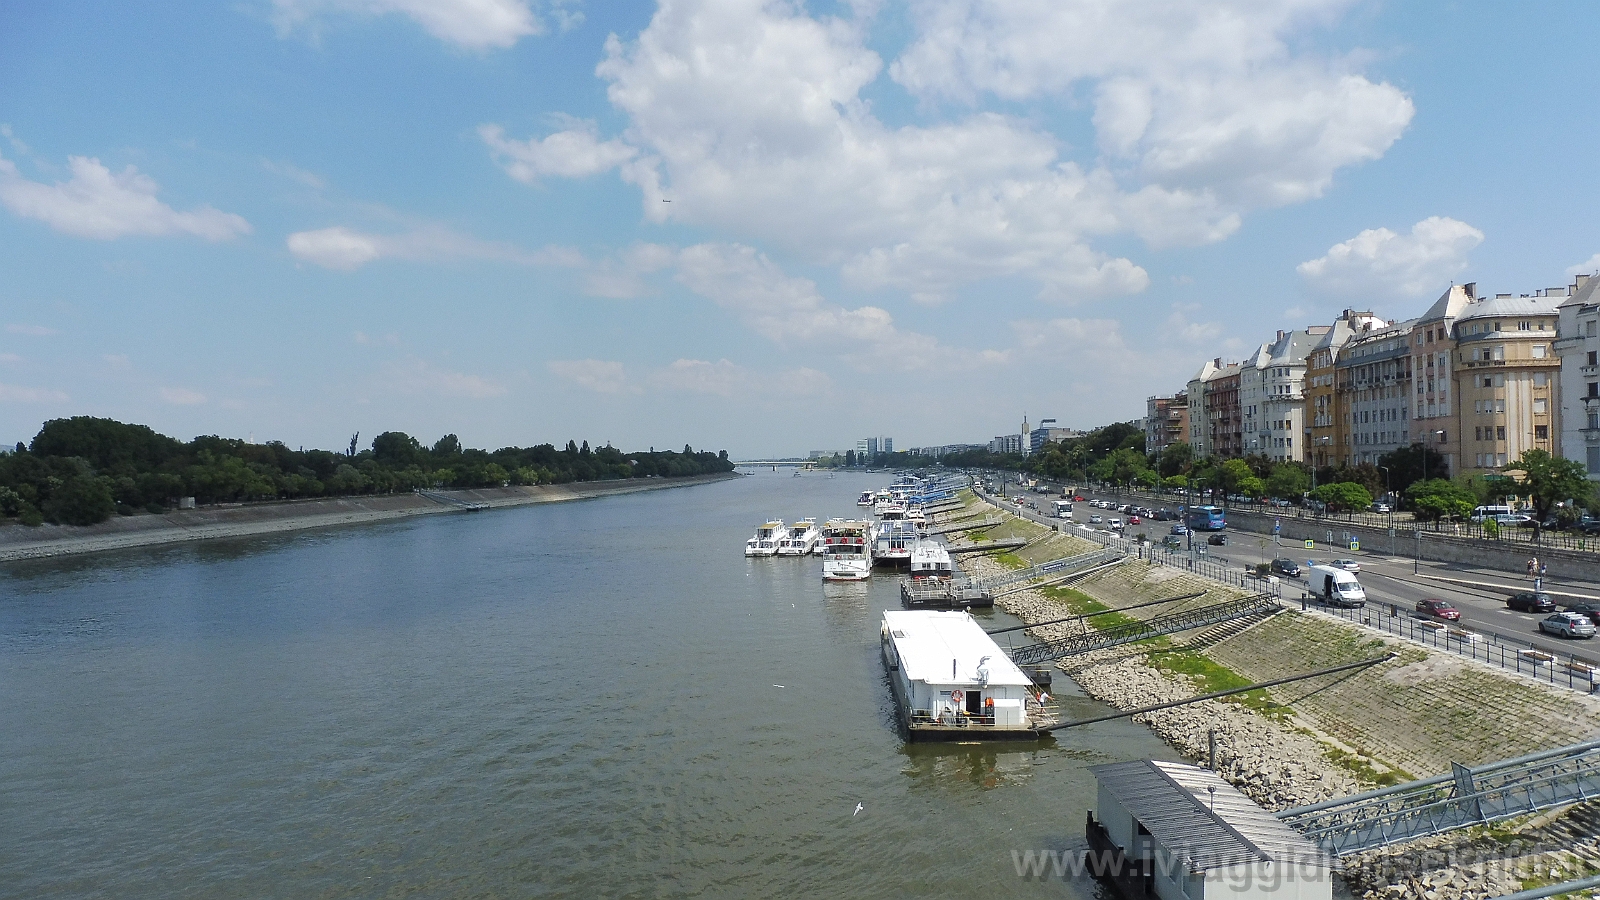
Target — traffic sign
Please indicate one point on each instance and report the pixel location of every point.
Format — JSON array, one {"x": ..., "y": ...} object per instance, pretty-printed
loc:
[
  {"x": 1309, "y": 544},
  {"x": 1355, "y": 544}
]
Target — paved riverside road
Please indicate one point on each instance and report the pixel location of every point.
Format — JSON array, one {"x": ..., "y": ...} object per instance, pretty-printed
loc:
[{"x": 1387, "y": 579}]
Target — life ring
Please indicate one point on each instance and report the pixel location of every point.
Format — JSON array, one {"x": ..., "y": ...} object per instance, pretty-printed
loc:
[{"x": 956, "y": 696}]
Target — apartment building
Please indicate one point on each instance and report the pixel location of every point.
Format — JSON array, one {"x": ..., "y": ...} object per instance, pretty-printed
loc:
[
  {"x": 1434, "y": 418},
  {"x": 1579, "y": 351},
  {"x": 1322, "y": 425},
  {"x": 1166, "y": 421},
  {"x": 1506, "y": 379},
  {"x": 1372, "y": 385},
  {"x": 1272, "y": 394},
  {"x": 1222, "y": 405}
]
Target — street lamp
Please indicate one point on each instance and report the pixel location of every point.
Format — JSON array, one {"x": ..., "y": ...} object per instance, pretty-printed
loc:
[
  {"x": 1416, "y": 526},
  {"x": 1388, "y": 493}
]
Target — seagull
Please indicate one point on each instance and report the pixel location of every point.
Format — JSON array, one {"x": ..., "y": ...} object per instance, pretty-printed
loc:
[
  {"x": 777, "y": 685},
  {"x": 859, "y": 808}
]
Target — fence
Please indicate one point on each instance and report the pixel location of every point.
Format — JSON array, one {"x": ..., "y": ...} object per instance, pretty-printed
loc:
[{"x": 1488, "y": 647}]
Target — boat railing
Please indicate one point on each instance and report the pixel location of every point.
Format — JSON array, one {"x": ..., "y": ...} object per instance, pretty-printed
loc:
[{"x": 929, "y": 717}]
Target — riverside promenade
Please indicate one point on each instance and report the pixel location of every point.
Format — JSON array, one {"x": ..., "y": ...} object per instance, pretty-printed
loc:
[{"x": 19, "y": 542}]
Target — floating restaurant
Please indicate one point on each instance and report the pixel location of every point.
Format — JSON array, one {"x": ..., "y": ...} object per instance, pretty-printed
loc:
[{"x": 952, "y": 682}]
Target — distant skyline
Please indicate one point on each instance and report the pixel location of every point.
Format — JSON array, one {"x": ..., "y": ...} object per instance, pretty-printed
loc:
[{"x": 766, "y": 227}]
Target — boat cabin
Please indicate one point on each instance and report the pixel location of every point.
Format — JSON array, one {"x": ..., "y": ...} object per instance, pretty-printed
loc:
[
  {"x": 1173, "y": 831},
  {"x": 951, "y": 681}
]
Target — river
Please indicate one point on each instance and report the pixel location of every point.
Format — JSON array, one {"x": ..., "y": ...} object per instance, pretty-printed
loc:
[{"x": 597, "y": 698}]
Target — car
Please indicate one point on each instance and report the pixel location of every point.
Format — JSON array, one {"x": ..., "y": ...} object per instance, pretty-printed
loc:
[
  {"x": 1133, "y": 520},
  {"x": 1567, "y": 625},
  {"x": 1285, "y": 567},
  {"x": 1349, "y": 565},
  {"x": 1077, "y": 498},
  {"x": 1592, "y": 610},
  {"x": 1172, "y": 542},
  {"x": 1180, "y": 528},
  {"x": 1095, "y": 519},
  {"x": 1587, "y": 526},
  {"x": 1379, "y": 507},
  {"x": 1528, "y": 601},
  {"x": 1439, "y": 609},
  {"x": 1514, "y": 520},
  {"x": 1217, "y": 540},
  {"x": 1114, "y": 522}
]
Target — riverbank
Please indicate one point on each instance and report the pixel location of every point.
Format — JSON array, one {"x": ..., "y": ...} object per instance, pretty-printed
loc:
[
  {"x": 19, "y": 542},
  {"x": 1407, "y": 718}
]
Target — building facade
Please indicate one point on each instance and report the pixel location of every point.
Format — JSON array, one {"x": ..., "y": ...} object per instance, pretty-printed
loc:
[
  {"x": 1434, "y": 417},
  {"x": 1166, "y": 422},
  {"x": 1506, "y": 379},
  {"x": 1579, "y": 351},
  {"x": 1323, "y": 421},
  {"x": 1372, "y": 384}
]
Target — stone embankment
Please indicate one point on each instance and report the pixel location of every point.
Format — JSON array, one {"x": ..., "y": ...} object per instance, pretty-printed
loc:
[{"x": 1306, "y": 742}]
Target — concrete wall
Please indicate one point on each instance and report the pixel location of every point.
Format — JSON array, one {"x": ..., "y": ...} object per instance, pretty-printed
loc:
[{"x": 1508, "y": 556}]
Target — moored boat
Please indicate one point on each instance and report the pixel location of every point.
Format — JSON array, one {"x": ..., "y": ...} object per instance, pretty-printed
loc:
[
  {"x": 952, "y": 682},
  {"x": 930, "y": 561},
  {"x": 892, "y": 540},
  {"x": 765, "y": 541},
  {"x": 846, "y": 550},
  {"x": 801, "y": 538}
]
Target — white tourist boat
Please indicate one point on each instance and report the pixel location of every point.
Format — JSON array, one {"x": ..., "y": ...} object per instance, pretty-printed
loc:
[
  {"x": 865, "y": 499},
  {"x": 846, "y": 550},
  {"x": 892, "y": 540},
  {"x": 801, "y": 539},
  {"x": 765, "y": 541},
  {"x": 952, "y": 682},
  {"x": 930, "y": 561}
]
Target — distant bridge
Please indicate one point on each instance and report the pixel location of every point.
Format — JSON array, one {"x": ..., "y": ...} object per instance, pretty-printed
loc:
[{"x": 776, "y": 463}]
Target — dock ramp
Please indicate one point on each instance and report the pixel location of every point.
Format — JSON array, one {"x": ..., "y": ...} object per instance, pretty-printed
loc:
[
  {"x": 1101, "y": 639},
  {"x": 1463, "y": 798}
]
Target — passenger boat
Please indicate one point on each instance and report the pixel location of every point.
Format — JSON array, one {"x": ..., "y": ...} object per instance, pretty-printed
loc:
[
  {"x": 865, "y": 499},
  {"x": 930, "y": 561},
  {"x": 846, "y": 550},
  {"x": 892, "y": 540},
  {"x": 765, "y": 541},
  {"x": 801, "y": 539},
  {"x": 951, "y": 682}
]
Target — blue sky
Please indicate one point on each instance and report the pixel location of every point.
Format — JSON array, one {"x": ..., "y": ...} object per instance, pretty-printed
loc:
[{"x": 766, "y": 227}]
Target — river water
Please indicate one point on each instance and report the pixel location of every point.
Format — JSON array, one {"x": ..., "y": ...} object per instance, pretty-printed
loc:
[{"x": 598, "y": 698}]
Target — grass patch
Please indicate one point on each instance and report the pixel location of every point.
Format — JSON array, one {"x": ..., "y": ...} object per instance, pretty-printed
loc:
[
  {"x": 1083, "y": 605},
  {"x": 1364, "y": 771},
  {"x": 1210, "y": 676},
  {"x": 1011, "y": 560}
]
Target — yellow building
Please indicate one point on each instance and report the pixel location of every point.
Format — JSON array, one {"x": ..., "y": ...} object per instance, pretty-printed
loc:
[
  {"x": 1324, "y": 425},
  {"x": 1505, "y": 379}
]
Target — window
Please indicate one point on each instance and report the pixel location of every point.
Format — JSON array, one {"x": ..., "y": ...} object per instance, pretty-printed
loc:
[
  {"x": 1538, "y": 351},
  {"x": 1540, "y": 379},
  {"x": 1477, "y": 432},
  {"x": 1592, "y": 353},
  {"x": 1500, "y": 352},
  {"x": 1525, "y": 325},
  {"x": 1499, "y": 381},
  {"x": 1499, "y": 406},
  {"x": 1502, "y": 460},
  {"x": 1594, "y": 460},
  {"x": 1499, "y": 432},
  {"x": 1594, "y": 389},
  {"x": 1487, "y": 381},
  {"x": 1539, "y": 404},
  {"x": 1541, "y": 432}
]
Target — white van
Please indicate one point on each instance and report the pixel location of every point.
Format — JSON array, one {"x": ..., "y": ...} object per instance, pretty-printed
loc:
[
  {"x": 1063, "y": 509},
  {"x": 1335, "y": 587},
  {"x": 1481, "y": 513}
]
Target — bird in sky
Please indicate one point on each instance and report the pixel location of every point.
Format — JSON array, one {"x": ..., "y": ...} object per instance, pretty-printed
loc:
[{"x": 859, "y": 808}]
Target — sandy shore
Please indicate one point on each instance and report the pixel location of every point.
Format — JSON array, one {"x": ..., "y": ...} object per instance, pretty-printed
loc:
[{"x": 19, "y": 542}]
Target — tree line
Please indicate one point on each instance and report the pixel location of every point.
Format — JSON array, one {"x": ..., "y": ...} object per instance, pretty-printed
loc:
[
  {"x": 1115, "y": 455},
  {"x": 83, "y": 470}
]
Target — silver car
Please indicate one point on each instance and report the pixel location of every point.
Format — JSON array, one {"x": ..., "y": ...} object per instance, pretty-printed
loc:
[
  {"x": 1567, "y": 625},
  {"x": 1349, "y": 565}
]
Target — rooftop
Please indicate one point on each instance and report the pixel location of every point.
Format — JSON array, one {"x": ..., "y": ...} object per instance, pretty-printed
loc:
[
  {"x": 929, "y": 642},
  {"x": 1212, "y": 831}
]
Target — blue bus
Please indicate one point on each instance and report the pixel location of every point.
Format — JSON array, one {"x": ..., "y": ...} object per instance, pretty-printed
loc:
[{"x": 1204, "y": 518}]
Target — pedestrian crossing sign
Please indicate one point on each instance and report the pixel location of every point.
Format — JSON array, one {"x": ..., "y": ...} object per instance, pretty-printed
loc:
[{"x": 1310, "y": 545}]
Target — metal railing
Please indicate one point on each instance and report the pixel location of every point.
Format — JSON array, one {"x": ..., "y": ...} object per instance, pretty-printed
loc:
[
  {"x": 1465, "y": 797},
  {"x": 1495, "y": 649},
  {"x": 1053, "y": 567},
  {"x": 1117, "y": 635}
]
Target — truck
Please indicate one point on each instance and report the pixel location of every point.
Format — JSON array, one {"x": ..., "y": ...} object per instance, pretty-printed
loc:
[
  {"x": 1335, "y": 586},
  {"x": 1063, "y": 509}
]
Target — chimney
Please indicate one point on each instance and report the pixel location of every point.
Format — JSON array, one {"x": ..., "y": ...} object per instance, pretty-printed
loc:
[{"x": 1471, "y": 289}]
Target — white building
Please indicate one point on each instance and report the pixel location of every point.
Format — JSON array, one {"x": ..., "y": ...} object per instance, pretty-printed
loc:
[
  {"x": 1579, "y": 382},
  {"x": 1186, "y": 834}
]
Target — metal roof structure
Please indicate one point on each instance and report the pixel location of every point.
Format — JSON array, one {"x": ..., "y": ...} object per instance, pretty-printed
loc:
[
  {"x": 1175, "y": 803},
  {"x": 949, "y": 648}
]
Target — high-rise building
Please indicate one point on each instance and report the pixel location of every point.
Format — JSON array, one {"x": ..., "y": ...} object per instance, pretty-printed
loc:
[
  {"x": 1579, "y": 385},
  {"x": 1166, "y": 421}
]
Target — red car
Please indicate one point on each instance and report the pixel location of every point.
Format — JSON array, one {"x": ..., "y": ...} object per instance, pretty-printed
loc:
[
  {"x": 1439, "y": 609},
  {"x": 1077, "y": 498},
  {"x": 1133, "y": 520}
]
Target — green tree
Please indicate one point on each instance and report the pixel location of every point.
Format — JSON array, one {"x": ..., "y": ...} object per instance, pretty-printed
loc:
[
  {"x": 1439, "y": 498},
  {"x": 1175, "y": 459},
  {"x": 1411, "y": 464},
  {"x": 1288, "y": 481},
  {"x": 1343, "y": 495},
  {"x": 80, "y": 500},
  {"x": 1548, "y": 480}
]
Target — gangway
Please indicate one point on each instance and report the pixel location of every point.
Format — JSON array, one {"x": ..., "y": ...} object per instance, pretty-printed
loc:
[
  {"x": 1117, "y": 635},
  {"x": 1081, "y": 561},
  {"x": 967, "y": 526},
  {"x": 1465, "y": 797}
]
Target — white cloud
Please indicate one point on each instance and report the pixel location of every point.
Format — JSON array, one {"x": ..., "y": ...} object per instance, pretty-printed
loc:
[
  {"x": 469, "y": 24},
  {"x": 598, "y": 375},
  {"x": 10, "y": 393},
  {"x": 1204, "y": 97},
  {"x": 99, "y": 204},
  {"x": 10, "y": 358},
  {"x": 30, "y": 330},
  {"x": 420, "y": 377},
  {"x": 623, "y": 278},
  {"x": 749, "y": 117},
  {"x": 1587, "y": 267},
  {"x": 347, "y": 249},
  {"x": 697, "y": 376},
  {"x": 1380, "y": 263},
  {"x": 182, "y": 396},
  {"x": 573, "y": 153},
  {"x": 294, "y": 173}
]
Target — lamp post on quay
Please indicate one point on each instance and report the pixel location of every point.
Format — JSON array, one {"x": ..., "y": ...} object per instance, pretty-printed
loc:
[
  {"x": 1389, "y": 495},
  {"x": 1416, "y": 562}
]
